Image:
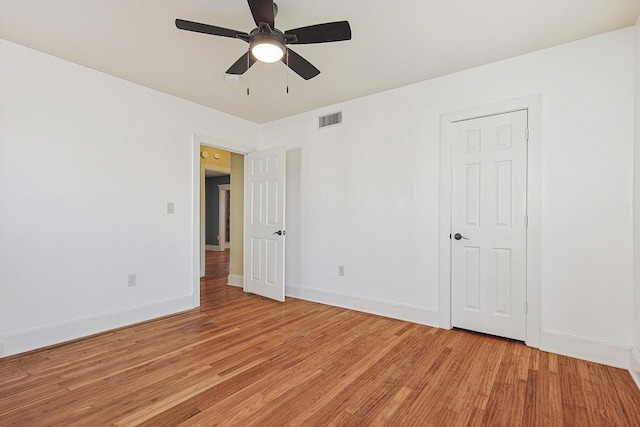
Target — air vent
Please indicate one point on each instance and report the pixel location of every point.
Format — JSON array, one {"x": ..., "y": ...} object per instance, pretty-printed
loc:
[{"x": 330, "y": 120}]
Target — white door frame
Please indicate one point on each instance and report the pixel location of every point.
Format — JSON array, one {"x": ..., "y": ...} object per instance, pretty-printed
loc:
[
  {"x": 533, "y": 105},
  {"x": 223, "y": 189},
  {"x": 203, "y": 211},
  {"x": 197, "y": 141}
]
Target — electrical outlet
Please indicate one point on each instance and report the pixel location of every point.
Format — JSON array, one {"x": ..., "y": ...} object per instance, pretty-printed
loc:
[
  {"x": 170, "y": 207},
  {"x": 341, "y": 270},
  {"x": 131, "y": 280}
]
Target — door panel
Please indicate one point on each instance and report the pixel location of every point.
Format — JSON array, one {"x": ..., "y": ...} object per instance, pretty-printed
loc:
[
  {"x": 264, "y": 247},
  {"x": 472, "y": 193},
  {"x": 489, "y": 169},
  {"x": 472, "y": 278}
]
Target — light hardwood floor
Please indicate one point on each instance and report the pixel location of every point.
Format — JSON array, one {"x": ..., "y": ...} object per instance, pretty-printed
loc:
[{"x": 242, "y": 360}]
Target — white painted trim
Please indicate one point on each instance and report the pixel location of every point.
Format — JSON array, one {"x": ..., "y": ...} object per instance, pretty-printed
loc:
[
  {"x": 197, "y": 141},
  {"x": 444, "y": 233},
  {"x": 196, "y": 240},
  {"x": 235, "y": 280},
  {"x": 222, "y": 144},
  {"x": 634, "y": 365},
  {"x": 217, "y": 248},
  {"x": 604, "y": 352},
  {"x": 57, "y": 333},
  {"x": 223, "y": 189},
  {"x": 534, "y": 106},
  {"x": 534, "y": 229},
  {"x": 409, "y": 313}
]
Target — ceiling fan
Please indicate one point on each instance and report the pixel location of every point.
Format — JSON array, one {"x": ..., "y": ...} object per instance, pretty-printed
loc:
[{"x": 268, "y": 44}]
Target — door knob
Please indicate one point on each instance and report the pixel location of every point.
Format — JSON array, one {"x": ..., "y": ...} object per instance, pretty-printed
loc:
[
  {"x": 459, "y": 236},
  {"x": 279, "y": 232}
]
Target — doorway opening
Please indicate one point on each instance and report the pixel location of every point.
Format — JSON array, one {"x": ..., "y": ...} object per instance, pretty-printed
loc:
[
  {"x": 260, "y": 267},
  {"x": 217, "y": 197},
  {"x": 215, "y": 170},
  {"x": 235, "y": 170}
]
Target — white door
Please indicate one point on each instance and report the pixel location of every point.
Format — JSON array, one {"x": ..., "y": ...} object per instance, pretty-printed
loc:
[
  {"x": 264, "y": 233},
  {"x": 489, "y": 238}
]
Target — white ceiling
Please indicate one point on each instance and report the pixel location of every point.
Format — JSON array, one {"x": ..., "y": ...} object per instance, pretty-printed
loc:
[{"x": 395, "y": 43}]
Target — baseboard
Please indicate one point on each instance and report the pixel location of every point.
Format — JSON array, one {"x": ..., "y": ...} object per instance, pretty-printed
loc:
[
  {"x": 216, "y": 247},
  {"x": 634, "y": 365},
  {"x": 235, "y": 280},
  {"x": 44, "y": 336},
  {"x": 409, "y": 313},
  {"x": 589, "y": 349}
]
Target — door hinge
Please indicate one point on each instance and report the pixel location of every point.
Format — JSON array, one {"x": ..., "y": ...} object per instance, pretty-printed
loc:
[
  {"x": 526, "y": 308},
  {"x": 526, "y": 134},
  {"x": 526, "y": 221}
]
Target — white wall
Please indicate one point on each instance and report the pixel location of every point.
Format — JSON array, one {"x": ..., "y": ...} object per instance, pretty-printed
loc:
[
  {"x": 368, "y": 192},
  {"x": 635, "y": 354},
  {"x": 87, "y": 165}
]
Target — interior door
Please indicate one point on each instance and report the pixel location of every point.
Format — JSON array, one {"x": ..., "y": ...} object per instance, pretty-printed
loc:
[
  {"x": 264, "y": 232},
  {"x": 488, "y": 242}
]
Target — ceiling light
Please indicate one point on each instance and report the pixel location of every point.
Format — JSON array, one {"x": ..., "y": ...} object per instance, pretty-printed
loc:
[{"x": 266, "y": 48}]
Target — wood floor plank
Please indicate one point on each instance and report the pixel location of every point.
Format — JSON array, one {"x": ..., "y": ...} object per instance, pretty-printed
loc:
[{"x": 243, "y": 360}]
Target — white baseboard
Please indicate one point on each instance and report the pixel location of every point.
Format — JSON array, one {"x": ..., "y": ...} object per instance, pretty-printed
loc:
[
  {"x": 217, "y": 247},
  {"x": 410, "y": 313},
  {"x": 589, "y": 349},
  {"x": 634, "y": 365},
  {"x": 44, "y": 336},
  {"x": 235, "y": 280}
]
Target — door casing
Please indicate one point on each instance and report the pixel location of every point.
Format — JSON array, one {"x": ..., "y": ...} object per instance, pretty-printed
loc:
[
  {"x": 223, "y": 190},
  {"x": 533, "y": 106}
]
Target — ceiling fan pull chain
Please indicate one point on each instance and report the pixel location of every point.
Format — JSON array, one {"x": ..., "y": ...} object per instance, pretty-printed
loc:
[
  {"x": 287, "y": 53},
  {"x": 248, "y": 65}
]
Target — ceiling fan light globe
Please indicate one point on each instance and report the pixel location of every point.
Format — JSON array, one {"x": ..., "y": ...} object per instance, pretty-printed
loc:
[{"x": 267, "y": 51}]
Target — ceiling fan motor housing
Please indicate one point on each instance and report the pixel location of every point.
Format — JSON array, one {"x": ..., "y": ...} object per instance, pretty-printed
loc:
[{"x": 272, "y": 46}]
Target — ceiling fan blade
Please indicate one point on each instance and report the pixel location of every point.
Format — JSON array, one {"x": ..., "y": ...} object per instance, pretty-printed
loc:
[
  {"x": 208, "y": 29},
  {"x": 321, "y": 33},
  {"x": 262, "y": 11},
  {"x": 301, "y": 66},
  {"x": 242, "y": 64}
]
